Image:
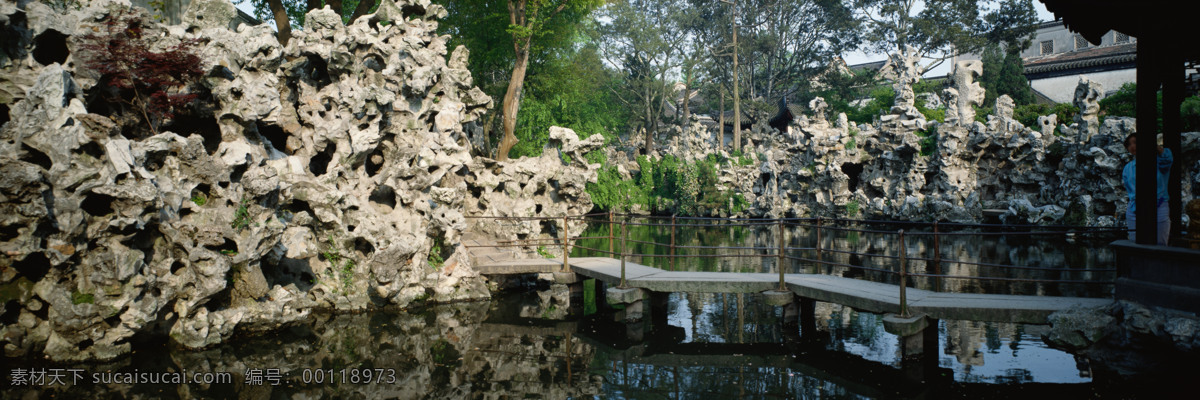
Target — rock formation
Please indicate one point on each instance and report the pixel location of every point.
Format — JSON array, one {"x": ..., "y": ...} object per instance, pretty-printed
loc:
[
  {"x": 902, "y": 167},
  {"x": 332, "y": 173}
]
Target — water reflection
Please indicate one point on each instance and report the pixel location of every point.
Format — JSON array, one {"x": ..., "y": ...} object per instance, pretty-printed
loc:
[
  {"x": 1018, "y": 262},
  {"x": 697, "y": 346}
]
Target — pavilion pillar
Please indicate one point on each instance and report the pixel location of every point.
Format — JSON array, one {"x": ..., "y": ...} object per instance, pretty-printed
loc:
[
  {"x": 1148, "y": 82},
  {"x": 1174, "y": 76}
]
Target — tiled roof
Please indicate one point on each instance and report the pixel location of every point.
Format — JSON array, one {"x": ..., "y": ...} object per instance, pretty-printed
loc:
[{"x": 1090, "y": 57}]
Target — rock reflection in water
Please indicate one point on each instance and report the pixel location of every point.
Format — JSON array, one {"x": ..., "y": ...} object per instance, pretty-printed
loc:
[
  {"x": 702, "y": 345},
  {"x": 444, "y": 352}
]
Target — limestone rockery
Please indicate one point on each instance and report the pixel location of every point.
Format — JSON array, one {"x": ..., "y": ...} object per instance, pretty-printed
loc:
[
  {"x": 331, "y": 173},
  {"x": 905, "y": 167}
]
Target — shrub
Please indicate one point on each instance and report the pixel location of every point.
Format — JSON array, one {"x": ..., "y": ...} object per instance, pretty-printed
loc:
[{"x": 151, "y": 82}]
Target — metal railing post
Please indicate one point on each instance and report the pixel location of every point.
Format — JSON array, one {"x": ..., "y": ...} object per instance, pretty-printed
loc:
[
  {"x": 782, "y": 256},
  {"x": 820, "y": 263},
  {"x": 566, "y": 245},
  {"x": 672, "y": 242},
  {"x": 903, "y": 276},
  {"x": 937, "y": 255},
  {"x": 624, "y": 250},
  {"x": 611, "y": 238}
]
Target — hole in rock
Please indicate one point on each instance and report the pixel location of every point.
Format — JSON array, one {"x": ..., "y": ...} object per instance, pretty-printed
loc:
[
  {"x": 3, "y": 114},
  {"x": 92, "y": 149},
  {"x": 84, "y": 344},
  {"x": 221, "y": 71},
  {"x": 12, "y": 310},
  {"x": 374, "y": 63},
  {"x": 319, "y": 164},
  {"x": 363, "y": 246},
  {"x": 97, "y": 204},
  {"x": 274, "y": 135},
  {"x": 289, "y": 271},
  {"x": 238, "y": 171},
  {"x": 33, "y": 156},
  {"x": 227, "y": 247},
  {"x": 853, "y": 171},
  {"x": 176, "y": 267},
  {"x": 374, "y": 163},
  {"x": 34, "y": 266},
  {"x": 384, "y": 195},
  {"x": 317, "y": 70},
  {"x": 50, "y": 47},
  {"x": 9, "y": 232},
  {"x": 204, "y": 125}
]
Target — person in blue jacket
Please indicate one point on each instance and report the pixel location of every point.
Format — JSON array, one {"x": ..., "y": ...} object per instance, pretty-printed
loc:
[{"x": 1162, "y": 173}]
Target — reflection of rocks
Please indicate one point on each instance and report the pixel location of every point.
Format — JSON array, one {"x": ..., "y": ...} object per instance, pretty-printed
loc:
[
  {"x": 443, "y": 352},
  {"x": 1126, "y": 337}
]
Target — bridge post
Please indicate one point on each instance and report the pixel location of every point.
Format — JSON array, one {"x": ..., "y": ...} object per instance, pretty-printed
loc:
[
  {"x": 566, "y": 243},
  {"x": 611, "y": 238},
  {"x": 672, "y": 242},
  {"x": 820, "y": 263},
  {"x": 782, "y": 255},
  {"x": 937, "y": 255},
  {"x": 624, "y": 248},
  {"x": 903, "y": 276}
]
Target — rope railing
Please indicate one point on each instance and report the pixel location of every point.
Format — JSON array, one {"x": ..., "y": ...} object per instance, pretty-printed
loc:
[{"x": 817, "y": 227}]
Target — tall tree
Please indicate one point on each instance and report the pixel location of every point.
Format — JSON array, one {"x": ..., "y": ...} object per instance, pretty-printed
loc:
[
  {"x": 529, "y": 20},
  {"x": 644, "y": 37},
  {"x": 941, "y": 29},
  {"x": 781, "y": 44},
  {"x": 1003, "y": 75}
]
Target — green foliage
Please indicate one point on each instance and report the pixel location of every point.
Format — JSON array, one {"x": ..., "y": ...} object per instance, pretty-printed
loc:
[
  {"x": 241, "y": 216},
  {"x": 200, "y": 199},
  {"x": 1029, "y": 113},
  {"x": 78, "y": 297},
  {"x": 342, "y": 264},
  {"x": 852, "y": 208},
  {"x": 1003, "y": 75},
  {"x": 851, "y": 144},
  {"x": 612, "y": 192},
  {"x": 928, "y": 141},
  {"x": 931, "y": 114},
  {"x": 541, "y": 250},
  {"x": 882, "y": 100},
  {"x": 1123, "y": 103},
  {"x": 1189, "y": 111},
  {"x": 435, "y": 258}
]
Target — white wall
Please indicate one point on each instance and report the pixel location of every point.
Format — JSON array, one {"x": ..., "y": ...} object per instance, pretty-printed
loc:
[{"x": 1061, "y": 89}]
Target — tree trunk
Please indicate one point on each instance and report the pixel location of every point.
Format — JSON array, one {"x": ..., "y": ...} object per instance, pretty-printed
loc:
[
  {"x": 282, "y": 22},
  {"x": 512, "y": 101},
  {"x": 335, "y": 5},
  {"x": 721, "y": 130},
  {"x": 364, "y": 7},
  {"x": 687, "y": 94},
  {"x": 737, "y": 97}
]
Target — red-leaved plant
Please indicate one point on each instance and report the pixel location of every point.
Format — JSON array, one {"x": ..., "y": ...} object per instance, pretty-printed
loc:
[{"x": 153, "y": 82}]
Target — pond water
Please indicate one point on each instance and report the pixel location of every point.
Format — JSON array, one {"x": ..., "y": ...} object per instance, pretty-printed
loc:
[
  {"x": 530, "y": 343},
  {"x": 710, "y": 346},
  {"x": 1008, "y": 261}
]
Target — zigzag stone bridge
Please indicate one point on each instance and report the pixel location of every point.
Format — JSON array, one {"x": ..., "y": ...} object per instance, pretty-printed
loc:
[{"x": 798, "y": 293}]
